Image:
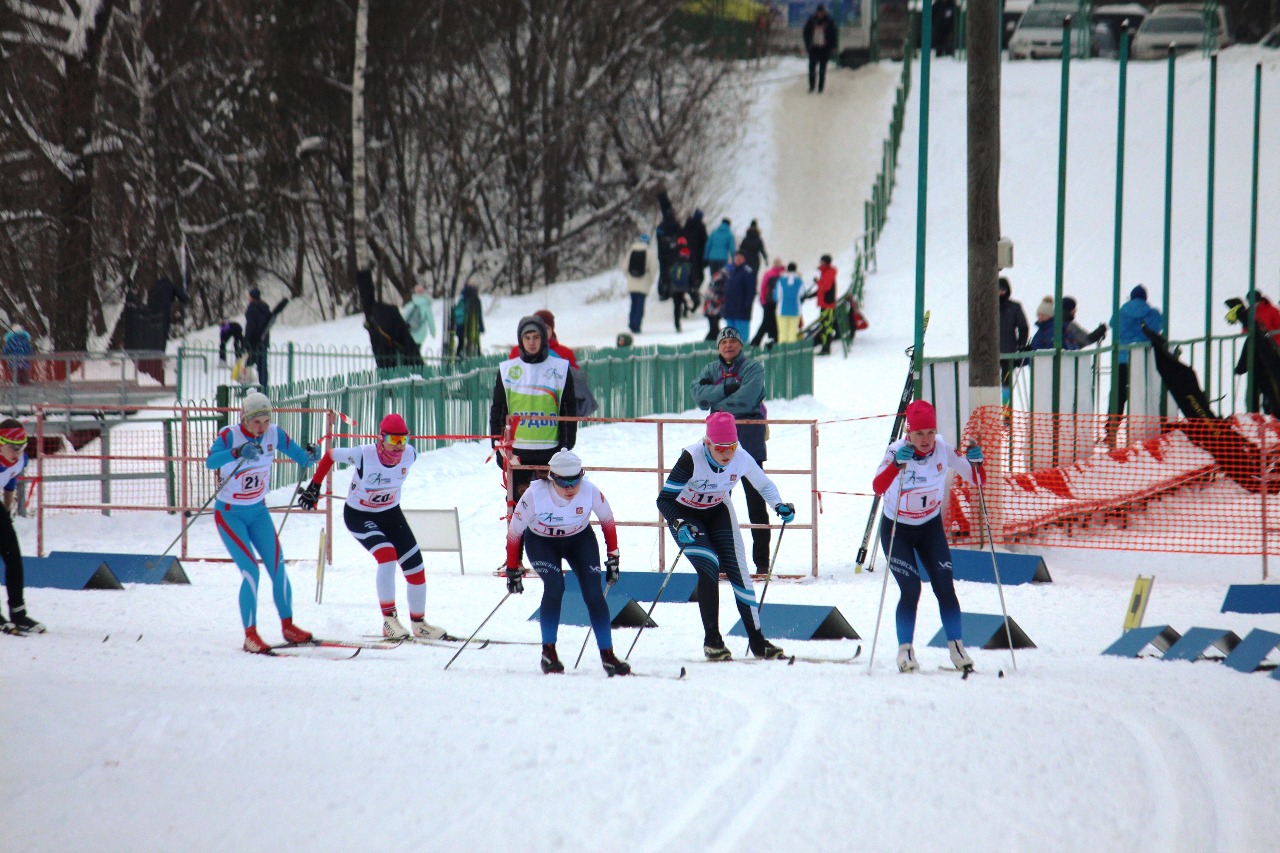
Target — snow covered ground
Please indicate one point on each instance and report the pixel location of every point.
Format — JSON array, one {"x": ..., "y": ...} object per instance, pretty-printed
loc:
[{"x": 137, "y": 724}]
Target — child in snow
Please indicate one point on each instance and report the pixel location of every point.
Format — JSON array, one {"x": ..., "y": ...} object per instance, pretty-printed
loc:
[
  {"x": 912, "y": 477},
  {"x": 373, "y": 515},
  {"x": 553, "y": 521},
  {"x": 13, "y": 459},
  {"x": 242, "y": 455},
  {"x": 695, "y": 501}
]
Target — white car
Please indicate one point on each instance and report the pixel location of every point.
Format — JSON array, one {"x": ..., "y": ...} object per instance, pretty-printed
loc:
[
  {"x": 1039, "y": 32},
  {"x": 1180, "y": 25}
]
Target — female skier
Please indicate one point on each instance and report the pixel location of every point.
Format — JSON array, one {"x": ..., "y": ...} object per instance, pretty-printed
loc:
[
  {"x": 912, "y": 477},
  {"x": 553, "y": 519},
  {"x": 695, "y": 502},
  {"x": 373, "y": 515},
  {"x": 242, "y": 455}
]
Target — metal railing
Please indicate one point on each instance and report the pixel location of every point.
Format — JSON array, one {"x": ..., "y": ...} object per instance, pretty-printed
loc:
[{"x": 118, "y": 378}]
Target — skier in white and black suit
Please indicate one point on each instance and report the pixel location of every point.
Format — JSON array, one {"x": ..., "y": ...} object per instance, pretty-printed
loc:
[
  {"x": 695, "y": 501},
  {"x": 553, "y": 521},
  {"x": 912, "y": 477},
  {"x": 373, "y": 515}
]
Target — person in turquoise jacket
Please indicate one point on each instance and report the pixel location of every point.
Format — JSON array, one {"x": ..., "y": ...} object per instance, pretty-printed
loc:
[{"x": 720, "y": 246}]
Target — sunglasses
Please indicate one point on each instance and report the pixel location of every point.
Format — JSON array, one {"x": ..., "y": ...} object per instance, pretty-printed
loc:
[
  {"x": 13, "y": 441},
  {"x": 567, "y": 482},
  {"x": 725, "y": 448},
  {"x": 396, "y": 440}
]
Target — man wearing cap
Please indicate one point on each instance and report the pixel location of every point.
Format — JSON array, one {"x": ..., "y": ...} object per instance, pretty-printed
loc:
[
  {"x": 695, "y": 501},
  {"x": 257, "y": 337},
  {"x": 638, "y": 268},
  {"x": 537, "y": 388},
  {"x": 734, "y": 383},
  {"x": 373, "y": 516},
  {"x": 242, "y": 454}
]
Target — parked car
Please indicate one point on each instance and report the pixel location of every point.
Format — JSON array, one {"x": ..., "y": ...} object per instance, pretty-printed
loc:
[
  {"x": 1013, "y": 11},
  {"x": 1113, "y": 17},
  {"x": 1182, "y": 25},
  {"x": 1039, "y": 32}
]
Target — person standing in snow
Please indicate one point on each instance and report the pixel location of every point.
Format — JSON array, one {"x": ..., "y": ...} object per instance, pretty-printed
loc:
[
  {"x": 667, "y": 235},
  {"x": 1134, "y": 314},
  {"x": 1043, "y": 338},
  {"x": 734, "y": 383},
  {"x": 696, "y": 503},
  {"x": 912, "y": 478},
  {"x": 787, "y": 295},
  {"x": 826, "y": 293},
  {"x": 553, "y": 522},
  {"x": 419, "y": 317},
  {"x": 695, "y": 233},
  {"x": 681, "y": 278},
  {"x": 242, "y": 455},
  {"x": 18, "y": 351},
  {"x": 13, "y": 460},
  {"x": 637, "y": 267},
  {"x": 752, "y": 247},
  {"x": 373, "y": 516},
  {"x": 1074, "y": 335},
  {"x": 468, "y": 322},
  {"x": 720, "y": 246},
  {"x": 740, "y": 292},
  {"x": 1013, "y": 338},
  {"x": 769, "y": 302},
  {"x": 819, "y": 42},
  {"x": 257, "y": 334},
  {"x": 713, "y": 303}
]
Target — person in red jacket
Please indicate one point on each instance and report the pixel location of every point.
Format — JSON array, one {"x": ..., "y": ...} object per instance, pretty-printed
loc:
[
  {"x": 826, "y": 280},
  {"x": 554, "y": 345}
]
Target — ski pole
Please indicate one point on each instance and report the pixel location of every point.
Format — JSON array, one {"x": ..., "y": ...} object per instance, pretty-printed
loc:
[
  {"x": 655, "y": 602},
  {"x": 888, "y": 568},
  {"x": 986, "y": 520},
  {"x": 590, "y": 631},
  {"x": 767, "y": 578},
  {"x": 477, "y": 631},
  {"x": 151, "y": 564}
]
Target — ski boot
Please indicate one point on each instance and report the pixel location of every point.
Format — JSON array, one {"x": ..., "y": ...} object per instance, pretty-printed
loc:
[
  {"x": 392, "y": 629},
  {"x": 714, "y": 648},
  {"x": 255, "y": 644},
  {"x": 424, "y": 630},
  {"x": 907, "y": 658},
  {"x": 612, "y": 664},
  {"x": 762, "y": 648},
  {"x": 293, "y": 634},
  {"x": 550, "y": 660},
  {"x": 23, "y": 623},
  {"x": 959, "y": 657}
]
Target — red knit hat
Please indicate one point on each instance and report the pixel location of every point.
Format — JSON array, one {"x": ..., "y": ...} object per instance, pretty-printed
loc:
[
  {"x": 920, "y": 415},
  {"x": 393, "y": 424}
]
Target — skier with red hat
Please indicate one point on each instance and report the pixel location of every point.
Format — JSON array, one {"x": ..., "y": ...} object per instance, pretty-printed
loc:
[
  {"x": 373, "y": 515},
  {"x": 913, "y": 477},
  {"x": 695, "y": 501}
]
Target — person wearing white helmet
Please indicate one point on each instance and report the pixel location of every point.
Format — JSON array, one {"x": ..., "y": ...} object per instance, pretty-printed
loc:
[
  {"x": 372, "y": 513},
  {"x": 553, "y": 521},
  {"x": 242, "y": 455}
]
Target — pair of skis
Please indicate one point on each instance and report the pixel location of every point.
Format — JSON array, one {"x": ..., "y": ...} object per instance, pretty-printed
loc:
[{"x": 908, "y": 390}]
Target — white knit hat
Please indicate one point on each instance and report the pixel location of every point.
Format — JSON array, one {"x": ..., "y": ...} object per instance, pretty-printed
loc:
[
  {"x": 255, "y": 404},
  {"x": 566, "y": 463},
  {"x": 1044, "y": 310}
]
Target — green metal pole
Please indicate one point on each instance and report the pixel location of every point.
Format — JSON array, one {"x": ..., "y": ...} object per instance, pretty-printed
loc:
[
  {"x": 874, "y": 30},
  {"x": 1064, "y": 97},
  {"x": 1253, "y": 233},
  {"x": 1168, "y": 212},
  {"x": 1115, "y": 267},
  {"x": 922, "y": 190},
  {"x": 1208, "y": 249}
]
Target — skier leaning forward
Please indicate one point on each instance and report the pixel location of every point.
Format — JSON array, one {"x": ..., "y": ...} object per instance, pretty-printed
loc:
[
  {"x": 553, "y": 520},
  {"x": 242, "y": 455},
  {"x": 912, "y": 477},
  {"x": 373, "y": 515},
  {"x": 695, "y": 503}
]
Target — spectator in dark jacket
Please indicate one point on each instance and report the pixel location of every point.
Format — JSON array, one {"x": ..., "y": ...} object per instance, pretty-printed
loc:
[
  {"x": 739, "y": 296},
  {"x": 1074, "y": 335},
  {"x": 1013, "y": 335},
  {"x": 752, "y": 246},
  {"x": 695, "y": 233},
  {"x": 819, "y": 43},
  {"x": 257, "y": 335},
  {"x": 667, "y": 234}
]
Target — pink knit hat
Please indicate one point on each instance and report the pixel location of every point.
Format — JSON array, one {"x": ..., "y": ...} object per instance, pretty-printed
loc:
[
  {"x": 722, "y": 428},
  {"x": 920, "y": 415}
]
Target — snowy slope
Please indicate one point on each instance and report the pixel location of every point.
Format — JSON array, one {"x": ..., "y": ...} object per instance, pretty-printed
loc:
[{"x": 136, "y": 724}]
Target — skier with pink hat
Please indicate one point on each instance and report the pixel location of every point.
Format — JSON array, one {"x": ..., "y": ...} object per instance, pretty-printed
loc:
[
  {"x": 695, "y": 501},
  {"x": 372, "y": 513}
]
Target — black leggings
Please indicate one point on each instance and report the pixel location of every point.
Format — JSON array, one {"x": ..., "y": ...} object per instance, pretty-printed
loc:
[
  {"x": 11, "y": 553},
  {"x": 714, "y": 550}
]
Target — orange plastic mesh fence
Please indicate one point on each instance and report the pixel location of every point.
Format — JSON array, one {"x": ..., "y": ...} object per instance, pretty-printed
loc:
[{"x": 1131, "y": 483}]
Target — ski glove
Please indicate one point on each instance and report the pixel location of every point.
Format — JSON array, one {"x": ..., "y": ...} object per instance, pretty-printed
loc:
[
  {"x": 786, "y": 512},
  {"x": 904, "y": 455},
  {"x": 1098, "y": 333},
  {"x": 314, "y": 453},
  {"x": 706, "y": 380},
  {"x": 515, "y": 585},
  {"x": 308, "y": 496},
  {"x": 686, "y": 533},
  {"x": 611, "y": 570},
  {"x": 974, "y": 454},
  {"x": 249, "y": 451},
  {"x": 731, "y": 386}
]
